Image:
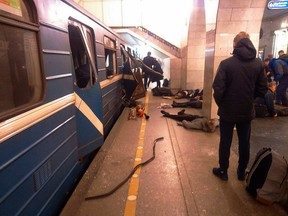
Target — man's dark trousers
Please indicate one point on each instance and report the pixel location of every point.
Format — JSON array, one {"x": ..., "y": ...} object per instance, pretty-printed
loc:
[{"x": 243, "y": 132}]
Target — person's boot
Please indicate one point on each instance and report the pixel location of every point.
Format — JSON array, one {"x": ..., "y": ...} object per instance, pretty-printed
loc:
[
  {"x": 164, "y": 113},
  {"x": 182, "y": 112},
  {"x": 241, "y": 175},
  {"x": 220, "y": 173}
]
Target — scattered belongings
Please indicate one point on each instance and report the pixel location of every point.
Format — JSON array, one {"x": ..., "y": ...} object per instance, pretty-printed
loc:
[
  {"x": 165, "y": 106},
  {"x": 137, "y": 111}
]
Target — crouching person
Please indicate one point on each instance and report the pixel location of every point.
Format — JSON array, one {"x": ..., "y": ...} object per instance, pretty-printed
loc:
[{"x": 264, "y": 107}]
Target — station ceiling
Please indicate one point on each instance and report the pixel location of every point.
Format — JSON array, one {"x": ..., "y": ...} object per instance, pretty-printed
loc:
[{"x": 269, "y": 15}]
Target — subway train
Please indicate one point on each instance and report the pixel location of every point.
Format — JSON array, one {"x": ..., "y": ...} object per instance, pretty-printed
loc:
[{"x": 61, "y": 92}]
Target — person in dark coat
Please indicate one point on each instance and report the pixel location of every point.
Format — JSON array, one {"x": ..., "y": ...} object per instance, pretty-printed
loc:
[
  {"x": 148, "y": 62},
  {"x": 239, "y": 79},
  {"x": 155, "y": 77},
  {"x": 180, "y": 116},
  {"x": 193, "y": 103},
  {"x": 189, "y": 94}
]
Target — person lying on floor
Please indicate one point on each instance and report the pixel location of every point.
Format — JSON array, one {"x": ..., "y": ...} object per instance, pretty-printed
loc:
[
  {"x": 197, "y": 94},
  {"x": 264, "y": 107},
  {"x": 204, "y": 124},
  {"x": 194, "y": 103},
  {"x": 180, "y": 116},
  {"x": 163, "y": 91}
]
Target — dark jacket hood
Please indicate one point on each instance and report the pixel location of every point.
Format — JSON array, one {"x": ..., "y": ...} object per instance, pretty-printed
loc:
[
  {"x": 284, "y": 57},
  {"x": 245, "y": 50}
]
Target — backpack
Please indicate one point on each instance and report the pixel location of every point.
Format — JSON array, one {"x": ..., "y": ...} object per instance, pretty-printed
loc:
[
  {"x": 165, "y": 83},
  {"x": 261, "y": 110},
  {"x": 267, "y": 178},
  {"x": 284, "y": 66},
  {"x": 279, "y": 67}
]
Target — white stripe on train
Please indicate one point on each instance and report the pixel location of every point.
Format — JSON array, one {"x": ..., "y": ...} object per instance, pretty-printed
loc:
[{"x": 17, "y": 124}]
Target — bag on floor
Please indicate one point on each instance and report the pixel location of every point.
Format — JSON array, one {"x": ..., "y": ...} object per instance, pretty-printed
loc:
[{"x": 267, "y": 178}]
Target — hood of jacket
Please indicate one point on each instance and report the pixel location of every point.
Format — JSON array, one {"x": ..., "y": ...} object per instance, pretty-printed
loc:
[
  {"x": 284, "y": 57},
  {"x": 245, "y": 50}
]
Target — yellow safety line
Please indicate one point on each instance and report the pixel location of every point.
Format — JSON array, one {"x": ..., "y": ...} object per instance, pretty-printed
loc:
[{"x": 131, "y": 201}]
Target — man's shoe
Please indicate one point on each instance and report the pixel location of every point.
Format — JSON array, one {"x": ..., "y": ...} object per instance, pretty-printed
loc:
[
  {"x": 241, "y": 175},
  {"x": 182, "y": 112},
  {"x": 164, "y": 113},
  {"x": 220, "y": 174}
]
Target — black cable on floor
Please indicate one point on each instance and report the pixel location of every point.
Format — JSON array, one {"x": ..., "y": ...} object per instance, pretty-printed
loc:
[{"x": 129, "y": 176}]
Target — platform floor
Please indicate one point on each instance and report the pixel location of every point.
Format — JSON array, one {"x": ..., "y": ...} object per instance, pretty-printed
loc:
[{"x": 179, "y": 181}]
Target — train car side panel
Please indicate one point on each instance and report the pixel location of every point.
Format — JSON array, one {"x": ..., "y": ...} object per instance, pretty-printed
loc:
[
  {"x": 38, "y": 154},
  {"x": 68, "y": 97}
]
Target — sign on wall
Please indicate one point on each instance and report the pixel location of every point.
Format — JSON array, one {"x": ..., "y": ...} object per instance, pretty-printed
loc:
[{"x": 278, "y": 5}]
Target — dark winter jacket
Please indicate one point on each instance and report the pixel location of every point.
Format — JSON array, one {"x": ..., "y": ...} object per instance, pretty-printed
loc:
[
  {"x": 284, "y": 57},
  {"x": 279, "y": 67},
  {"x": 156, "y": 77},
  {"x": 148, "y": 61},
  {"x": 238, "y": 81}
]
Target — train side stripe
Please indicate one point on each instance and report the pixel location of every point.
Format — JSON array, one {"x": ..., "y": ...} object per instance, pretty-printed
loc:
[
  {"x": 128, "y": 77},
  {"x": 17, "y": 124},
  {"x": 111, "y": 80},
  {"x": 85, "y": 109}
]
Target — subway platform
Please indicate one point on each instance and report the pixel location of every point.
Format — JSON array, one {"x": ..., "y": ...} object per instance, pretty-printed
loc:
[{"x": 179, "y": 181}]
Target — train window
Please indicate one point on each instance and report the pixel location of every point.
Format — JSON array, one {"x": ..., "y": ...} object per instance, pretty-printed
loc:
[
  {"x": 83, "y": 55},
  {"x": 123, "y": 56},
  {"x": 110, "y": 57},
  {"x": 21, "y": 80},
  {"x": 129, "y": 50}
]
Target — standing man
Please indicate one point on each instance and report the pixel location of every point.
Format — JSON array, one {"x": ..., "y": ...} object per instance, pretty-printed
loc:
[
  {"x": 280, "y": 69},
  {"x": 148, "y": 62},
  {"x": 239, "y": 79}
]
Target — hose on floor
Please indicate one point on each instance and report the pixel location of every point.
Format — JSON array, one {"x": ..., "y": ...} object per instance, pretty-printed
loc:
[{"x": 129, "y": 176}]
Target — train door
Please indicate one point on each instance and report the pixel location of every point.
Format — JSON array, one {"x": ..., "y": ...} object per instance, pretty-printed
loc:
[
  {"x": 280, "y": 41},
  {"x": 87, "y": 89}
]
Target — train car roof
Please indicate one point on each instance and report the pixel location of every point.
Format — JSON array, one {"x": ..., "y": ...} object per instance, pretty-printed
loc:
[{"x": 92, "y": 17}]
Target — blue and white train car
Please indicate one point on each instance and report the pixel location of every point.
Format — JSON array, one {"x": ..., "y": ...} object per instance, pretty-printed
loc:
[{"x": 60, "y": 94}]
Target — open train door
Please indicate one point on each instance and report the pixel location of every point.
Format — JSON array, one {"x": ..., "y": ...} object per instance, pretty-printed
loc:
[
  {"x": 139, "y": 91},
  {"x": 132, "y": 77},
  {"x": 89, "y": 114}
]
